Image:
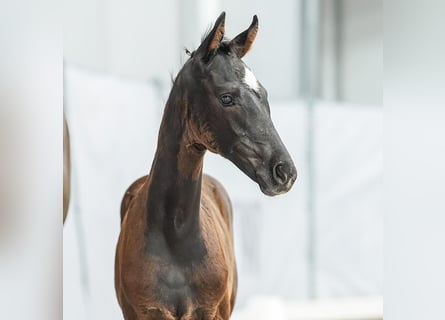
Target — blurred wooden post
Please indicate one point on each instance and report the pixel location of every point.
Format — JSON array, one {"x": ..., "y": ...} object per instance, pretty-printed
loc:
[{"x": 309, "y": 90}]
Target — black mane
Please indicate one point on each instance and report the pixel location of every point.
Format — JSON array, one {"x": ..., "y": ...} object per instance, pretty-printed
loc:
[{"x": 223, "y": 48}]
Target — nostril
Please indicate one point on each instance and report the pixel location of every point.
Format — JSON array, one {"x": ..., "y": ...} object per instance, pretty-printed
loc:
[{"x": 279, "y": 173}]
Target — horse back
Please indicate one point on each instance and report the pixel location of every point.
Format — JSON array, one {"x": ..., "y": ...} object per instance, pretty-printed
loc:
[{"x": 130, "y": 193}]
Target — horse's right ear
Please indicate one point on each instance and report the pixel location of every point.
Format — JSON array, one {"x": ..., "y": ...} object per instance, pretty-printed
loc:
[
  {"x": 243, "y": 42},
  {"x": 213, "y": 39}
]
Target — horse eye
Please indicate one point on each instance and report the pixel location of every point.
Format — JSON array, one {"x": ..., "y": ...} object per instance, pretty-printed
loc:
[{"x": 226, "y": 99}]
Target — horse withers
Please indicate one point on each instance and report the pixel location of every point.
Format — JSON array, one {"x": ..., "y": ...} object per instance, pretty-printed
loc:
[{"x": 175, "y": 256}]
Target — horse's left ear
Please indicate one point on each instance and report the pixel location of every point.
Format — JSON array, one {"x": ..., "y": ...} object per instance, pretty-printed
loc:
[
  {"x": 213, "y": 39},
  {"x": 242, "y": 43}
]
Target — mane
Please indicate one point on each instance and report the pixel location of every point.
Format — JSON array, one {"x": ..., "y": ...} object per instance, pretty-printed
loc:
[{"x": 223, "y": 48}]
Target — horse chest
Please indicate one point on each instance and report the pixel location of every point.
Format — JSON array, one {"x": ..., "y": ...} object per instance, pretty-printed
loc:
[{"x": 181, "y": 291}]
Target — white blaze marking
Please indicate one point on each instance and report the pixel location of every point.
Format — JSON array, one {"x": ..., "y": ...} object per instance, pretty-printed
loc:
[{"x": 250, "y": 80}]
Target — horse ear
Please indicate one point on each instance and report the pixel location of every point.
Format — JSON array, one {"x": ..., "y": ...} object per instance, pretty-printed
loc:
[
  {"x": 243, "y": 42},
  {"x": 213, "y": 39}
]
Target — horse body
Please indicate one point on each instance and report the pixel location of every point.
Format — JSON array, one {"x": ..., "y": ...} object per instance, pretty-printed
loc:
[
  {"x": 194, "y": 279},
  {"x": 175, "y": 256}
]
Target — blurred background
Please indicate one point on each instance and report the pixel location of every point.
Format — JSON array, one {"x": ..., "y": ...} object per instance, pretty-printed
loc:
[{"x": 314, "y": 253}]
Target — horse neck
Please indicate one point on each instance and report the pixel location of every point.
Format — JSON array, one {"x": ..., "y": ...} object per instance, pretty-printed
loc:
[{"x": 174, "y": 192}]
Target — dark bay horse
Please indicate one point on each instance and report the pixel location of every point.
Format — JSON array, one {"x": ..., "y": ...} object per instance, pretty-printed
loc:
[{"x": 175, "y": 256}]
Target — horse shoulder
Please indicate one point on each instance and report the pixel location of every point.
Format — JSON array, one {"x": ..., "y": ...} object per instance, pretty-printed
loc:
[
  {"x": 130, "y": 194},
  {"x": 214, "y": 191}
]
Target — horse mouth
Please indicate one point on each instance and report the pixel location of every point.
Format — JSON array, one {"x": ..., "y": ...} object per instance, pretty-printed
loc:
[
  {"x": 270, "y": 189},
  {"x": 273, "y": 177},
  {"x": 266, "y": 180}
]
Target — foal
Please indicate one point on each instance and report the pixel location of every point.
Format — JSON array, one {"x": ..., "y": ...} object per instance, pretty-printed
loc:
[{"x": 175, "y": 256}]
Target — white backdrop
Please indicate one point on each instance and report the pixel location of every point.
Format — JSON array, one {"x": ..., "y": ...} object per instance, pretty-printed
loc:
[{"x": 114, "y": 124}]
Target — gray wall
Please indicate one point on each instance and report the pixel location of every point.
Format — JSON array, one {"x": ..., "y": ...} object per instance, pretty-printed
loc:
[
  {"x": 133, "y": 38},
  {"x": 351, "y": 51},
  {"x": 145, "y": 40}
]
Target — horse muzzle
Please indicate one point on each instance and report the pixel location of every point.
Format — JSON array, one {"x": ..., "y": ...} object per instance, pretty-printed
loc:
[
  {"x": 274, "y": 172},
  {"x": 278, "y": 179}
]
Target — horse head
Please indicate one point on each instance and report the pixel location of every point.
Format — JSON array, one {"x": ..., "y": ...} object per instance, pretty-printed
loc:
[{"x": 229, "y": 109}]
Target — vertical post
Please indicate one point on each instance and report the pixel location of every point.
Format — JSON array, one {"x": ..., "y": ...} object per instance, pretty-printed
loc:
[
  {"x": 309, "y": 89},
  {"x": 195, "y": 16},
  {"x": 338, "y": 49}
]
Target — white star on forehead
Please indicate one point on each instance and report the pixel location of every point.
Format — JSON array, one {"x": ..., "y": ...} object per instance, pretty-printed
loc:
[{"x": 250, "y": 79}]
